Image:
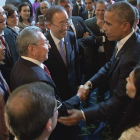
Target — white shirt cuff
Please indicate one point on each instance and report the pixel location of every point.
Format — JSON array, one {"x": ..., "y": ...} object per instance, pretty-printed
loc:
[{"x": 84, "y": 118}]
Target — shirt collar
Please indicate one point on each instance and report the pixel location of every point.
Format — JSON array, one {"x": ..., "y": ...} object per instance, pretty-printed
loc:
[
  {"x": 122, "y": 42},
  {"x": 56, "y": 40},
  {"x": 34, "y": 61},
  {"x": 91, "y": 11},
  {"x": 2, "y": 34}
]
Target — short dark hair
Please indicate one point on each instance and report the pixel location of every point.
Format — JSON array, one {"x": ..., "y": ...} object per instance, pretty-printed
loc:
[
  {"x": 124, "y": 12},
  {"x": 61, "y": 1},
  {"x": 28, "y": 109},
  {"x": 101, "y": 2},
  {"x": 20, "y": 7},
  {"x": 10, "y": 8},
  {"x": 52, "y": 10}
]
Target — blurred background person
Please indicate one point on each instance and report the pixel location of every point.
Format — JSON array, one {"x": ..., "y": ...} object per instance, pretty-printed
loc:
[
  {"x": 35, "y": 117},
  {"x": 35, "y": 5},
  {"x": 129, "y": 128},
  {"x": 25, "y": 13},
  {"x": 4, "y": 93},
  {"x": 12, "y": 18},
  {"x": 8, "y": 40},
  {"x": 136, "y": 27},
  {"x": 42, "y": 9},
  {"x": 90, "y": 9},
  {"x": 78, "y": 8}
]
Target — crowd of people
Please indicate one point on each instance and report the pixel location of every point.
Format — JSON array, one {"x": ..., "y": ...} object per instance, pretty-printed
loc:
[{"x": 53, "y": 53}]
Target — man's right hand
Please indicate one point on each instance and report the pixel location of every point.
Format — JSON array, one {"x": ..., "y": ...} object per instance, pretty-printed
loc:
[{"x": 83, "y": 90}]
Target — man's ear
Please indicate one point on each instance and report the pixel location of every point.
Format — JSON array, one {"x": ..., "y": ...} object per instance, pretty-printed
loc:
[
  {"x": 31, "y": 50},
  {"x": 126, "y": 26},
  {"x": 48, "y": 25},
  {"x": 49, "y": 125}
]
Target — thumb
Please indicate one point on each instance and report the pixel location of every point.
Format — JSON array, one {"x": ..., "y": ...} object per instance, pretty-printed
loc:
[{"x": 70, "y": 111}]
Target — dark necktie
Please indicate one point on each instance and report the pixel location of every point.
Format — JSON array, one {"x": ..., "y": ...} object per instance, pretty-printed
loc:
[
  {"x": 3, "y": 42},
  {"x": 47, "y": 71}
]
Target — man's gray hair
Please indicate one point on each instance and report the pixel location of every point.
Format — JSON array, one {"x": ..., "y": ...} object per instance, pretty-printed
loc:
[
  {"x": 123, "y": 12},
  {"x": 27, "y": 37},
  {"x": 46, "y": 2},
  {"x": 101, "y": 2}
]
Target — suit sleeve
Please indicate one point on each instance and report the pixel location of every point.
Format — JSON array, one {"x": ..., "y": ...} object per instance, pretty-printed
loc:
[
  {"x": 87, "y": 41},
  {"x": 114, "y": 107}
]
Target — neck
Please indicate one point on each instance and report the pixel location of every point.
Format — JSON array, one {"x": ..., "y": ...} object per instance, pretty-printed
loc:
[{"x": 25, "y": 21}]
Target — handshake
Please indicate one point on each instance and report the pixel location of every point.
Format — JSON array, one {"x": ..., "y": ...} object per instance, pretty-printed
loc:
[{"x": 83, "y": 90}]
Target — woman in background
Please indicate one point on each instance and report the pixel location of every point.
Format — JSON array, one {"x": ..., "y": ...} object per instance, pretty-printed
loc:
[
  {"x": 12, "y": 18},
  {"x": 129, "y": 128},
  {"x": 35, "y": 5},
  {"x": 26, "y": 15}
]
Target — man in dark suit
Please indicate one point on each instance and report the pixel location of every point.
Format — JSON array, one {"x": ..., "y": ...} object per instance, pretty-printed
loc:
[
  {"x": 85, "y": 38},
  {"x": 105, "y": 47},
  {"x": 78, "y": 8},
  {"x": 33, "y": 48},
  {"x": 68, "y": 67},
  {"x": 89, "y": 12},
  {"x": 8, "y": 39},
  {"x": 116, "y": 70}
]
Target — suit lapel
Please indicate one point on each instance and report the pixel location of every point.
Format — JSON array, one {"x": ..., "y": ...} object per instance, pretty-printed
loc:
[
  {"x": 54, "y": 51},
  {"x": 128, "y": 43},
  {"x": 75, "y": 25},
  {"x": 11, "y": 45}
]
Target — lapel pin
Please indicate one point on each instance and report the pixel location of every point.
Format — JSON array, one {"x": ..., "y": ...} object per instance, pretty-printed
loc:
[
  {"x": 77, "y": 23},
  {"x": 118, "y": 58}
]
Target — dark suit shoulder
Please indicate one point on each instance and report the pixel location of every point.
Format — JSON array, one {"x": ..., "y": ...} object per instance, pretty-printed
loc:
[
  {"x": 77, "y": 18},
  {"x": 90, "y": 20}
]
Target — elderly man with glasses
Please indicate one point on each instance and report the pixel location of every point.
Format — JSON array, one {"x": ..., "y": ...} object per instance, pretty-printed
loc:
[{"x": 34, "y": 48}]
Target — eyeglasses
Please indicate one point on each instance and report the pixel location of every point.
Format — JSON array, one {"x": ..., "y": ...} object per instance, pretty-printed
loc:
[
  {"x": 43, "y": 43},
  {"x": 4, "y": 13},
  {"x": 16, "y": 16},
  {"x": 66, "y": 24},
  {"x": 42, "y": 8},
  {"x": 59, "y": 104}
]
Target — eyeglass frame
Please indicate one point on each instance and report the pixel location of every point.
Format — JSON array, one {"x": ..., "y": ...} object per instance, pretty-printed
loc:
[
  {"x": 4, "y": 13},
  {"x": 64, "y": 24},
  {"x": 46, "y": 7},
  {"x": 58, "y": 107},
  {"x": 13, "y": 16},
  {"x": 45, "y": 42}
]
